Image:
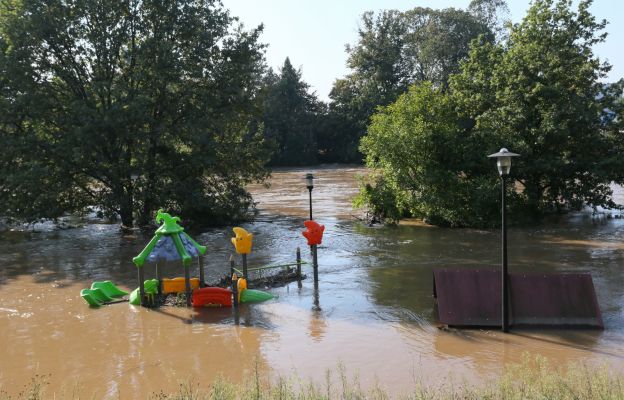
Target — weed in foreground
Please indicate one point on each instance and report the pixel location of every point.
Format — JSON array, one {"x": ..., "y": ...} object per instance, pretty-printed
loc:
[{"x": 534, "y": 378}]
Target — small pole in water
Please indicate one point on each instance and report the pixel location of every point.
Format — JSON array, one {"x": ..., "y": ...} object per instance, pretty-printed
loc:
[
  {"x": 317, "y": 303},
  {"x": 315, "y": 265},
  {"x": 232, "y": 265},
  {"x": 245, "y": 266},
  {"x": 159, "y": 277},
  {"x": 234, "y": 289},
  {"x": 187, "y": 283},
  {"x": 201, "y": 271},
  {"x": 141, "y": 286},
  {"x": 298, "y": 267}
]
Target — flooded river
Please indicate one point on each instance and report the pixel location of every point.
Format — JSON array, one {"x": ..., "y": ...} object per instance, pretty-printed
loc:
[{"x": 374, "y": 313}]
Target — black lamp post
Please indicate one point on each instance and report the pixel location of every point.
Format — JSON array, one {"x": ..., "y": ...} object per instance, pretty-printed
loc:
[
  {"x": 310, "y": 185},
  {"x": 503, "y": 162}
]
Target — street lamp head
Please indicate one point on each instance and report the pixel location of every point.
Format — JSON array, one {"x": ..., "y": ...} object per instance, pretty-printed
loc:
[
  {"x": 503, "y": 160},
  {"x": 309, "y": 181}
]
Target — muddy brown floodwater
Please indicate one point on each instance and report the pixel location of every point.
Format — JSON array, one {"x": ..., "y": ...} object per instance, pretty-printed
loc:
[{"x": 376, "y": 313}]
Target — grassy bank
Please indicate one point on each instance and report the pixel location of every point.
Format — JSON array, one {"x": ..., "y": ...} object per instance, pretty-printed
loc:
[{"x": 533, "y": 379}]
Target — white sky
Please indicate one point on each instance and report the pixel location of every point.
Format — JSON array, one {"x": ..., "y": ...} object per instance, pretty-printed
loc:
[{"x": 314, "y": 33}]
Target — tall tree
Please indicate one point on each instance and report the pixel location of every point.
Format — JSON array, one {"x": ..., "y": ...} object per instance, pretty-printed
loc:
[
  {"x": 539, "y": 94},
  {"x": 128, "y": 105},
  {"x": 291, "y": 116},
  {"x": 395, "y": 50},
  {"x": 493, "y": 13}
]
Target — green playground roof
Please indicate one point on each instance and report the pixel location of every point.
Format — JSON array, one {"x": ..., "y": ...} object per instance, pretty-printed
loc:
[{"x": 169, "y": 243}]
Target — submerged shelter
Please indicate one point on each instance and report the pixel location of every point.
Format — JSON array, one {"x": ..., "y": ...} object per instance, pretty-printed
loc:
[
  {"x": 170, "y": 243},
  {"x": 472, "y": 298}
]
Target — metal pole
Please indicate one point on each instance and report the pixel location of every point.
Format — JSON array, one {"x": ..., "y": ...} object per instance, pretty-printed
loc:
[
  {"x": 310, "y": 190},
  {"x": 159, "y": 277},
  {"x": 201, "y": 271},
  {"x": 232, "y": 265},
  {"x": 317, "y": 303},
  {"x": 234, "y": 289},
  {"x": 315, "y": 265},
  {"x": 187, "y": 283},
  {"x": 505, "y": 321},
  {"x": 245, "y": 267},
  {"x": 298, "y": 267},
  {"x": 141, "y": 286}
]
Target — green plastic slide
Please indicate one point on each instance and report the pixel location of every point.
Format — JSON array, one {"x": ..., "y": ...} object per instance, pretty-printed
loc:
[
  {"x": 109, "y": 289},
  {"x": 151, "y": 288},
  {"x": 95, "y": 297},
  {"x": 101, "y": 292},
  {"x": 254, "y": 296}
]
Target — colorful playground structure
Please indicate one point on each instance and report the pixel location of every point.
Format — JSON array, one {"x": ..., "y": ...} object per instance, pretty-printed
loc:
[{"x": 171, "y": 243}]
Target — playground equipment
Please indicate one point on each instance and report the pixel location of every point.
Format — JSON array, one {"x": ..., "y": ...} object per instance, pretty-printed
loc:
[
  {"x": 314, "y": 234},
  {"x": 178, "y": 285},
  {"x": 212, "y": 296},
  {"x": 101, "y": 293},
  {"x": 242, "y": 241},
  {"x": 217, "y": 297},
  {"x": 150, "y": 288},
  {"x": 242, "y": 244},
  {"x": 254, "y": 296},
  {"x": 244, "y": 295},
  {"x": 170, "y": 243}
]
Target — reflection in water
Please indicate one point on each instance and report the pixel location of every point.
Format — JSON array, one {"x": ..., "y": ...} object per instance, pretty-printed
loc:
[
  {"x": 373, "y": 311},
  {"x": 317, "y": 326}
]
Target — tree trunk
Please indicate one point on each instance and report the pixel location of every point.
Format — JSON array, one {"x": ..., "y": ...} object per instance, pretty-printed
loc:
[
  {"x": 125, "y": 210},
  {"x": 127, "y": 220},
  {"x": 149, "y": 184}
]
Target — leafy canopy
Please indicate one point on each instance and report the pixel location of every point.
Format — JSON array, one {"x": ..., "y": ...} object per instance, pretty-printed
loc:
[
  {"x": 395, "y": 50},
  {"x": 128, "y": 105},
  {"x": 539, "y": 94}
]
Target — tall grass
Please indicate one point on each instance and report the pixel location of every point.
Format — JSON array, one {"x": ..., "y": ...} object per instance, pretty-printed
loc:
[{"x": 533, "y": 379}]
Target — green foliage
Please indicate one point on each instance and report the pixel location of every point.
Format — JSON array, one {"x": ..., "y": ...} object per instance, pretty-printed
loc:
[
  {"x": 537, "y": 94},
  {"x": 395, "y": 50},
  {"x": 427, "y": 161},
  {"x": 129, "y": 106},
  {"x": 540, "y": 94},
  {"x": 383, "y": 201},
  {"x": 493, "y": 13},
  {"x": 291, "y": 117}
]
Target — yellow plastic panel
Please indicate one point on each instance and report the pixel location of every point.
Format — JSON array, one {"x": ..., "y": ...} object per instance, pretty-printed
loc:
[{"x": 178, "y": 285}]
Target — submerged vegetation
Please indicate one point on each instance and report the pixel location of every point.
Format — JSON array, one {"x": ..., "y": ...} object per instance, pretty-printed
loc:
[
  {"x": 128, "y": 106},
  {"x": 532, "y": 379},
  {"x": 539, "y": 93}
]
